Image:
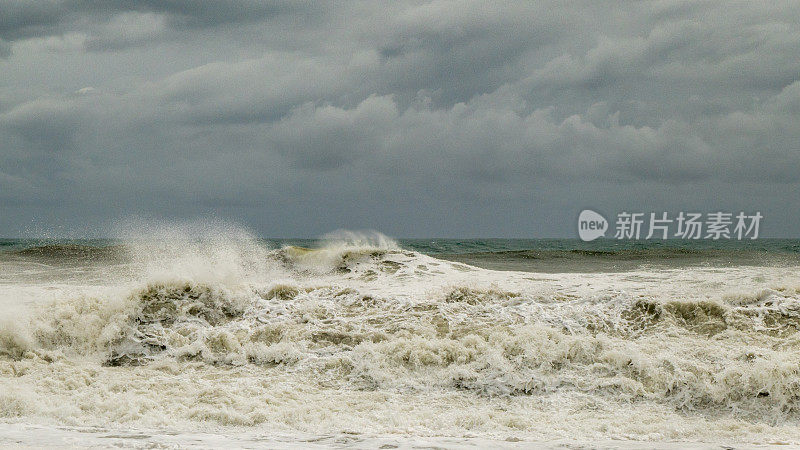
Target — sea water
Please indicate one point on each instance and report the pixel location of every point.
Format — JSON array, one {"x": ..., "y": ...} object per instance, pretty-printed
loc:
[{"x": 205, "y": 335}]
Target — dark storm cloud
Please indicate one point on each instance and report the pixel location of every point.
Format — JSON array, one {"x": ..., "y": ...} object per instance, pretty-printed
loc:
[
  {"x": 423, "y": 118},
  {"x": 116, "y": 24},
  {"x": 21, "y": 17}
]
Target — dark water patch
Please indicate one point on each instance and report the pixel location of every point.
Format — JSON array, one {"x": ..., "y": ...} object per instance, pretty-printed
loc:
[
  {"x": 578, "y": 260},
  {"x": 70, "y": 251},
  {"x": 599, "y": 246}
]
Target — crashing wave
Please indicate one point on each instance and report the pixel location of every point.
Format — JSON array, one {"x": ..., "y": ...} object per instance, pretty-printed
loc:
[{"x": 230, "y": 332}]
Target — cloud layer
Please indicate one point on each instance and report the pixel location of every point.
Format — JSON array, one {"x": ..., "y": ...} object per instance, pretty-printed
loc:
[{"x": 417, "y": 118}]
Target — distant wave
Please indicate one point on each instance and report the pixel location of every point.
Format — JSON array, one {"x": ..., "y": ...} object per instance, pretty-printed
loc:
[
  {"x": 69, "y": 251},
  {"x": 649, "y": 253}
]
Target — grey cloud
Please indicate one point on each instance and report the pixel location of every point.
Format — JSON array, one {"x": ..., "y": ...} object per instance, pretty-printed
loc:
[
  {"x": 127, "y": 30},
  {"x": 24, "y": 18},
  {"x": 327, "y": 137},
  {"x": 50, "y": 123},
  {"x": 431, "y": 111},
  {"x": 258, "y": 90},
  {"x": 200, "y": 14},
  {"x": 119, "y": 25}
]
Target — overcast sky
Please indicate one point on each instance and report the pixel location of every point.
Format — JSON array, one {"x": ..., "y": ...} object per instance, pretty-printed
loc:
[{"x": 417, "y": 119}]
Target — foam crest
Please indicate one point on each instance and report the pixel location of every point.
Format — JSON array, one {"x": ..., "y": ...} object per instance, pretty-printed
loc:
[
  {"x": 356, "y": 240},
  {"x": 340, "y": 249}
]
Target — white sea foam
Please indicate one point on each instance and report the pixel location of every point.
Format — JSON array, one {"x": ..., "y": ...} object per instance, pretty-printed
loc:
[{"x": 204, "y": 328}]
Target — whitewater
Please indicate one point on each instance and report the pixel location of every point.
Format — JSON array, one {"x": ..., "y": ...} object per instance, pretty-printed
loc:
[{"x": 193, "y": 335}]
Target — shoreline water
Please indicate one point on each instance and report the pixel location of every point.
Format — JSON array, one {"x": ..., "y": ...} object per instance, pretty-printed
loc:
[{"x": 37, "y": 436}]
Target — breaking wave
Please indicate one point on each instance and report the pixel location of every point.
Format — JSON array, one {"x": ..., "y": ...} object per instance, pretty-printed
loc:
[{"x": 217, "y": 328}]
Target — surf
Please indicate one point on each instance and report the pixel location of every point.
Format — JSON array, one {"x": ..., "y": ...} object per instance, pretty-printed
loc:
[{"x": 209, "y": 326}]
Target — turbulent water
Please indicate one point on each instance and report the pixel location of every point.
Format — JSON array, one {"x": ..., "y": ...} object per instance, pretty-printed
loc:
[{"x": 189, "y": 329}]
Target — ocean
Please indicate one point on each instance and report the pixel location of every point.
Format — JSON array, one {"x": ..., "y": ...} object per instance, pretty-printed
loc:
[{"x": 208, "y": 336}]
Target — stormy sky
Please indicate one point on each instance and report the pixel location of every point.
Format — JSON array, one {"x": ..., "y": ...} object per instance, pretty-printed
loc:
[{"x": 417, "y": 119}]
